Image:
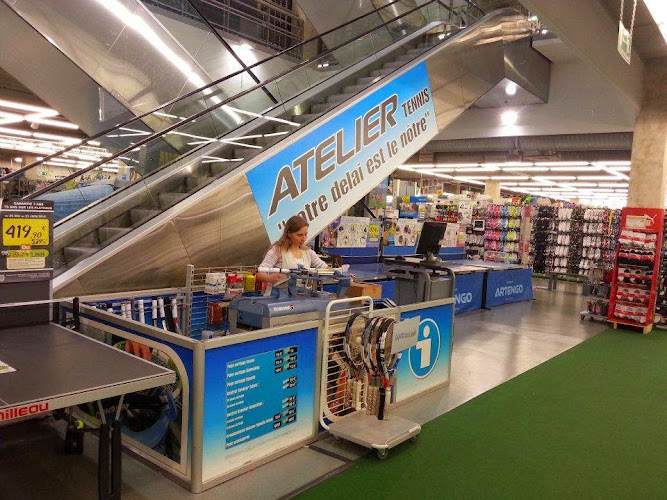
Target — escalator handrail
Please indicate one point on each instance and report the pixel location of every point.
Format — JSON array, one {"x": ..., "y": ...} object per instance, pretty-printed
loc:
[
  {"x": 203, "y": 112},
  {"x": 175, "y": 100}
]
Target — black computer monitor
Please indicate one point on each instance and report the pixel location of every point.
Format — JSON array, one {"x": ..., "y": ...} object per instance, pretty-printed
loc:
[{"x": 429, "y": 240}]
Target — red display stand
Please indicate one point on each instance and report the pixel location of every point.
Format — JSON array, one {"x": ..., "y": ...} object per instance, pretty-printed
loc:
[{"x": 635, "y": 275}]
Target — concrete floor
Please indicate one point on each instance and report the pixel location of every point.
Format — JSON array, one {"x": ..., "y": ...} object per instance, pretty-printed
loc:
[{"x": 490, "y": 347}]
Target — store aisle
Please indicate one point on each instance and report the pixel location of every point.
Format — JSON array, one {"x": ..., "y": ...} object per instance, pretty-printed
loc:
[
  {"x": 587, "y": 424},
  {"x": 490, "y": 347}
]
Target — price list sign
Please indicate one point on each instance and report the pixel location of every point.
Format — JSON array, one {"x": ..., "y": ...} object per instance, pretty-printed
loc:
[
  {"x": 26, "y": 240},
  {"x": 261, "y": 394}
]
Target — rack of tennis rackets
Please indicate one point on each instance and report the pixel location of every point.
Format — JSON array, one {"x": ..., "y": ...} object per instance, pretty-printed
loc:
[{"x": 360, "y": 368}]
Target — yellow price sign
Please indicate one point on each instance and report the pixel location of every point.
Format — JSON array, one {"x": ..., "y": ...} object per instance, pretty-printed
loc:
[
  {"x": 374, "y": 232},
  {"x": 31, "y": 232}
]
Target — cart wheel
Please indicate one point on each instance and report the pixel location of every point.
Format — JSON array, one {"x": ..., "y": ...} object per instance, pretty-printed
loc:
[
  {"x": 382, "y": 454},
  {"x": 413, "y": 439}
]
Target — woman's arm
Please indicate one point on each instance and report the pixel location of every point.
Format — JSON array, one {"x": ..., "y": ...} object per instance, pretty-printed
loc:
[{"x": 315, "y": 261}]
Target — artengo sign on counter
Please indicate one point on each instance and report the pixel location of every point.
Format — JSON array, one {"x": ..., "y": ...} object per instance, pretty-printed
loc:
[{"x": 332, "y": 167}]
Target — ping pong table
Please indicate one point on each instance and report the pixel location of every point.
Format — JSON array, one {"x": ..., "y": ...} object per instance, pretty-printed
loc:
[{"x": 56, "y": 367}]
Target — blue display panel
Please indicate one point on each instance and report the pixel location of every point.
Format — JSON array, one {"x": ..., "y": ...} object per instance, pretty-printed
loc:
[
  {"x": 469, "y": 292},
  {"x": 259, "y": 397},
  {"x": 427, "y": 364},
  {"x": 506, "y": 287},
  {"x": 346, "y": 156}
]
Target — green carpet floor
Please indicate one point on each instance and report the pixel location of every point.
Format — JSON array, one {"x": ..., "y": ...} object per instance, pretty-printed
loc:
[{"x": 590, "y": 423}]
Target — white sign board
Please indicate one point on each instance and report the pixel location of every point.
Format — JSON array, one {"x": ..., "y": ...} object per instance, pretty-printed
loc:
[
  {"x": 624, "y": 42},
  {"x": 405, "y": 334}
]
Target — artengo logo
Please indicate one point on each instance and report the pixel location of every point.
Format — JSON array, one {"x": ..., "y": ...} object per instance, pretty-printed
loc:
[
  {"x": 464, "y": 298},
  {"x": 506, "y": 291},
  {"x": 23, "y": 411}
]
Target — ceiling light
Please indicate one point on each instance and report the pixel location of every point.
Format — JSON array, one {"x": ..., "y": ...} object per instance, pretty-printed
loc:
[
  {"x": 54, "y": 137},
  {"x": 53, "y": 123},
  {"x": 476, "y": 177},
  {"x": 574, "y": 169},
  {"x": 447, "y": 165},
  {"x": 509, "y": 117},
  {"x": 441, "y": 36},
  {"x": 596, "y": 178},
  {"x": 561, "y": 163},
  {"x": 509, "y": 177},
  {"x": 13, "y": 131},
  {"x": 18, "y": 159},
  {"x": 583, "y": 184},
  {"x": 509, "y": 164},
  {"x": 470, "y": 181},
  {"x": 525, "y": 169},
  {"x": 615, "y": 163},
  {"x": 544, "y": 31},
  {"x": 510, "y": 88},
  {"x": 478, "y": 170},
  {"x": 28, "y": 107},
  {"x": 560, "y": 177}
]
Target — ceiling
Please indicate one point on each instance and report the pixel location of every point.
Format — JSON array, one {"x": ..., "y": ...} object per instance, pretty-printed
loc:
[{"x": 646, "y": 38}]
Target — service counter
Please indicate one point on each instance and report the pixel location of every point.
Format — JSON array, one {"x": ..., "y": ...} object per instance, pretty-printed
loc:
[{"x": 248, "y": 398}]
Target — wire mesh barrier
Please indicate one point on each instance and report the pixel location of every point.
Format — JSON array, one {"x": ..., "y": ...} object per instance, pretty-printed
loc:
[
  {"x": 358, "y": 367},
  {"x": 207, "y": 303}
]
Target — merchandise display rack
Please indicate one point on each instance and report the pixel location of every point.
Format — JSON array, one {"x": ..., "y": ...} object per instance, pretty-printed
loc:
[
  {"x": 502, "y": 233},
  {"x": 543, "y": 236},
  {"x": 661, "y": 291},
  {"x": 474, "y": 246},
  {"x": 597, "y": 301},
  {"x": 633, "y": 294},
  {"x": 576, "y": 240}
]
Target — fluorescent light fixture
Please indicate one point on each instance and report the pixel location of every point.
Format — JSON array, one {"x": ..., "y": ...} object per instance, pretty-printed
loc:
[
  {"x": 560, "y": 177},
  {"x": 406, "y": 167},
  {"x": 441, "y": 36},
  {"x": 574, "y": 169},
  {"x": 615, "y": 163},
  {"x": 54, "y": 137},
  {"x": 583, "y": 184},
  {"x": 509, "y": 117},
  {"x": 470, "y": 181},
  {"x": 475, "y": 177},
  {"x": 613, "y": 172},
  {"x": 596, "y": 178},
  {"x": 52, "y": 123},
  {"x": 13, "y": 131},
  {"x": 28, "y": 107},
  {"x": 257, "y": 115},
  {"x": 479, "y": 170},
  {"x": 510, "y": 88},
  {"x": 508, "y": 164},
  {"x": 509, "y": 177},
  {"x": 620, "y": 169},
  {"x": 561, "y": 163},
  {"x": 453, "y": 165},
  {"x": 18, "y": 159},
  {"x": 525, "y": 169}
]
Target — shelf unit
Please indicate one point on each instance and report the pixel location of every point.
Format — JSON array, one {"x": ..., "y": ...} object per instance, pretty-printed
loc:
[
  {"x": 636, "y": 271},
  {"x": 502, "y": 233}
]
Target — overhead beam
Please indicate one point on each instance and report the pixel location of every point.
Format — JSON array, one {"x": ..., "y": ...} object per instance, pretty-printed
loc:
[{"x": 587, "y": 27}]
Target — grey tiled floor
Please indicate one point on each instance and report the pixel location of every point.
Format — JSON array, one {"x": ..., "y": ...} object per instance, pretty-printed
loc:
[{"x": 490, "y": 347}]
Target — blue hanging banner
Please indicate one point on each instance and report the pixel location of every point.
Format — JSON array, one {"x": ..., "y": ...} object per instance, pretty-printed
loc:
[
  {"x": 506, "y": 287},
  {"x": 337, "y": 163}
]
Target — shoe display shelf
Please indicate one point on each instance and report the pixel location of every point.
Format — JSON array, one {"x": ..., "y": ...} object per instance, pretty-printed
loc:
[{"x": 636, "y": 272}]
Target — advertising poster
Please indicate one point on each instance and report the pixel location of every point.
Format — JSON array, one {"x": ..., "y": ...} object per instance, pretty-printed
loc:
[
  {"x": 336, "y": 164},
  {"x": 407, "y": 232},
  {"x": 259, "y": 398},
  {"x": 426, "y": 365},
  {"x": 374, "y": 233},
  {"x": 353, "y": 232}
]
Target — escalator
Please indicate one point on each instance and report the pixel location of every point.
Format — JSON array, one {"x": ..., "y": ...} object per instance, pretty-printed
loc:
[{"x": 194, "y": 190}]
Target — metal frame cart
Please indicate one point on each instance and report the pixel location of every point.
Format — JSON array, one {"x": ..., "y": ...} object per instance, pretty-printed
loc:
[{"x": 340, "y": 414}]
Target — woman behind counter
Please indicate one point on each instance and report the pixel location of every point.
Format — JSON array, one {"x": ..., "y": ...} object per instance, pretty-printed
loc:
[{"x": 289, "y": 251}]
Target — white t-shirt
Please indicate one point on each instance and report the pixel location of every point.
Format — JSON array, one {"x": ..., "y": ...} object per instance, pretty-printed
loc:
[{"x": 276, "y": 257}]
